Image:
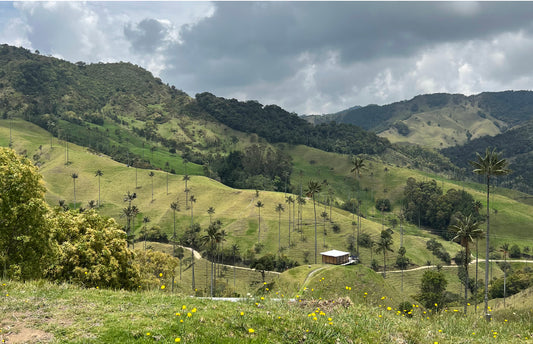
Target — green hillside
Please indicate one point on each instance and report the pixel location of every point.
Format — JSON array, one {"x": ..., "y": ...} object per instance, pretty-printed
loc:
[{"x": 236, "y": 208}]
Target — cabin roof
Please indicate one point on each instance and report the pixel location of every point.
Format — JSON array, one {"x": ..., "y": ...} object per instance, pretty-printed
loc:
[{"x": 334, "y": 253}]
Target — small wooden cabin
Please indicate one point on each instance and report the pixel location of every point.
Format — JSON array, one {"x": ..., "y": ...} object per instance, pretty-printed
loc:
[{"x": 335, "y": 257}]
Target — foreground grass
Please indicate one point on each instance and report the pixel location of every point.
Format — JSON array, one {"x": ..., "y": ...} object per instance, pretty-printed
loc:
[{"x": 68, "y": 314}]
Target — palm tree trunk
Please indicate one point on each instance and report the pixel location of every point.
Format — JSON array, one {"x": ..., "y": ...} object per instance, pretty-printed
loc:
[
  {"x": 212, "y": 267},
  {"x": 98, "y": 191},
  {"x": 384, "y": 263},
  {"x": 477, "y": 256},
  {"x": 279, "y": 233},
  {"x": 192, "y": 265},
  {"x": 259, "y": 227},
  {"x": 487, "y": 315},
  {"x": 314, "y": 209},
  {"x": 466, "y": 276}
]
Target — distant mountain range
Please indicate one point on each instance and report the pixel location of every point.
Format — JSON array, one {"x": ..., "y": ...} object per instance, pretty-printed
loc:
[
  {"x": 71, "y": 100},
  {"x": 440, "y": 120}
]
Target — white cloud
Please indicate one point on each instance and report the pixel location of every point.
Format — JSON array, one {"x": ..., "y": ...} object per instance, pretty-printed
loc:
[{"x": 305, "y": 57}]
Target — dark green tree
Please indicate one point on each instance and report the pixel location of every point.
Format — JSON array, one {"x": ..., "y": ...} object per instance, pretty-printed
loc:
[{"x": 432, "y": 288}]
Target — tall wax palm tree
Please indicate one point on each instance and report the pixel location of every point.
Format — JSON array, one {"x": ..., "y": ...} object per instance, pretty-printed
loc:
[
  {"x": 279, "y": 209},
  {"x": 179, "y": 253},
  {"x": 504, "y": 248},
  {"x": 74, "y": 177},
  {"x": 146, "y": 219},
  {"x": 192, "y": 199},
  {"x": 186, "y": 178},
  {"x": 211, "y": 240},
  {"x": 465, "y": 230},
  {"x": 314, "y": 187},
  {"x": 289, "y": 200},
  {"x": 259, "y": 205},
  {"x": 324, "y": 216},
  {"x": 92, "y": 204},
  {"x": 211, "y": 212},
  {"x": 134, "y": 212},
  {"x": 128, "y": 212},
  {"x": 489, "y": 165},
  {"x": 98, "y": 174},
  {"x": 384, "y": 244},
  {"x": 234, "y": 251},
  {"x": 152, "y": 174},
  {"x": 175, "y": 206},
  {"x": 330, "y": 198},
  {"x": 477, "y": 207},
  {"x": 357, "y": 166},
  {"x": 301, "y": 202},
  {"x": 167, "y": 167}
]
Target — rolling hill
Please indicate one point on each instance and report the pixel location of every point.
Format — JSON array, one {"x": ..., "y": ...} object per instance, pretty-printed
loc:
[{"x": 77, "y": 118}]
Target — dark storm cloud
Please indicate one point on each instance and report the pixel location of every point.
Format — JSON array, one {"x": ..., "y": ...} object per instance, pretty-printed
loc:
[
  {"x": 146, "y": 36},
  {"x": 248, "y": 42}
]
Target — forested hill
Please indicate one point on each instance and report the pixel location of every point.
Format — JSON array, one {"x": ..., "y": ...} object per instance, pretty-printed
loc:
[
  {"x": 33, "y": 84},
  {"x": 516, "y": 145},
  {"x": 277, "y": 125}
]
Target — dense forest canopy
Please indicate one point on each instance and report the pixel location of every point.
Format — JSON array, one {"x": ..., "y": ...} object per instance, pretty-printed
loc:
[{"x": 277, "y": 125}]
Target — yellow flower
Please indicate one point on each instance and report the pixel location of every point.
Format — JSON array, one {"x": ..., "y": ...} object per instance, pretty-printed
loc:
[
  {"x": 177, "y": 340},
  {"x": 193, "y": 310},
  {"x": 388, "y": 308},
  {"x": 160, "y": 274},
  {"x": 162, "y": 287},
  {"x": 183, "y": 307},
  {"x": 178, "y": 314},
  {"x": 181, "y": 320},
  {"x": 189, "y": 315},
  {"x": 147, "y": 333},
  {"x": 262, "y": 298},
  {"x": 251, "y": 330},
  {"x": 242, "y": 313}
]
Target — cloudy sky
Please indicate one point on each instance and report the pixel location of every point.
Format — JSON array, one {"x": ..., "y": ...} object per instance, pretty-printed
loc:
[{"x": 308, "y": 57}]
